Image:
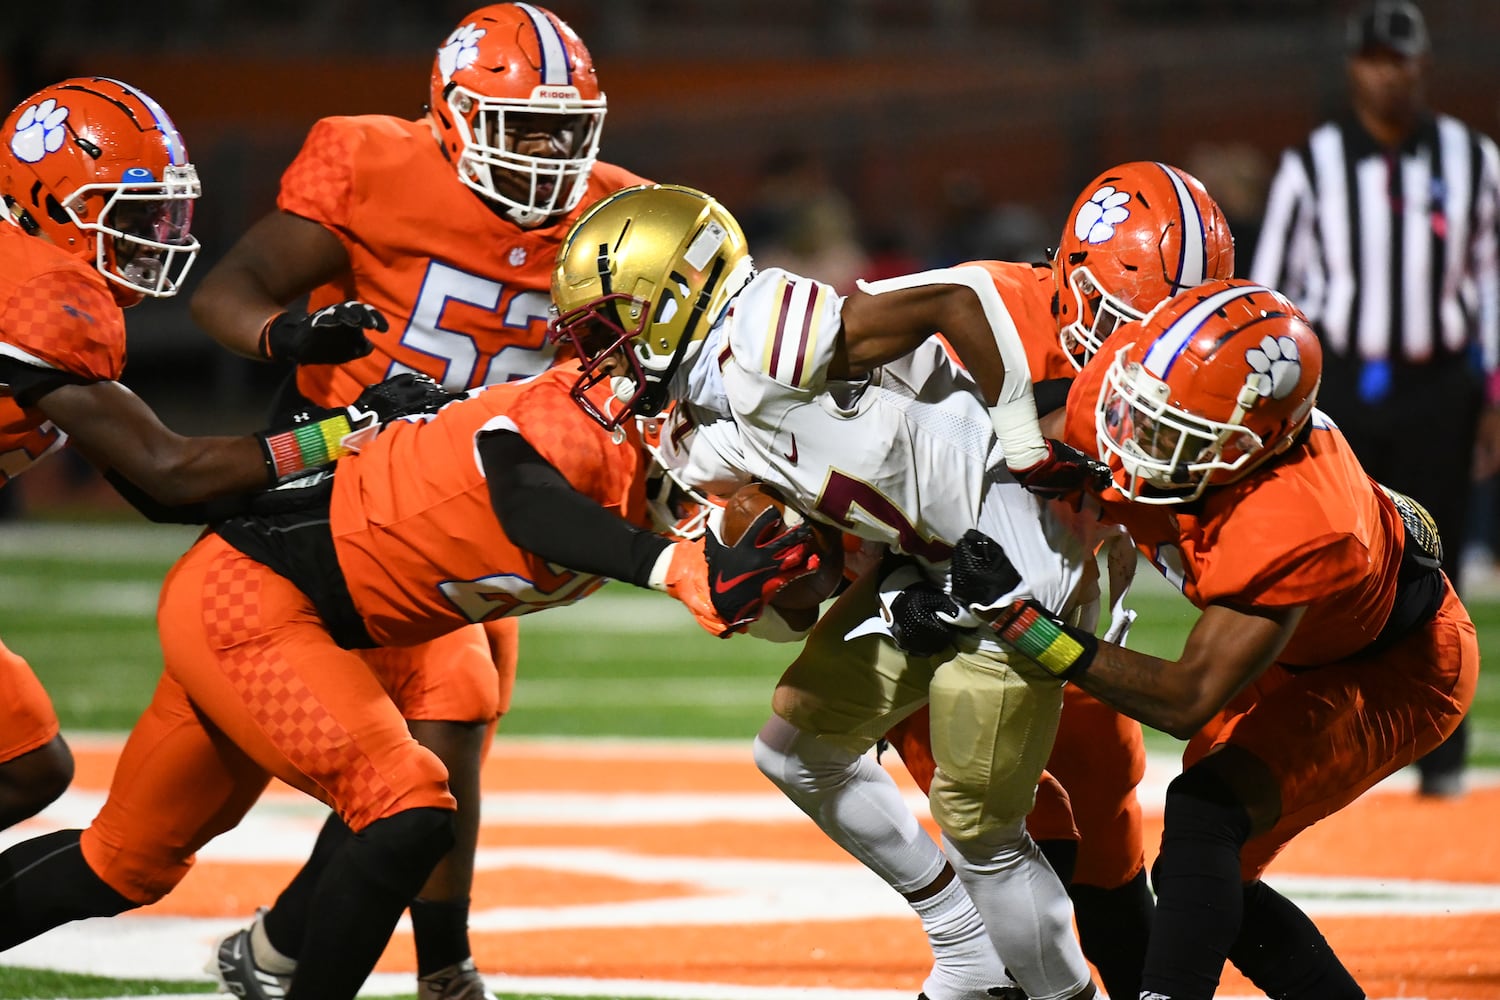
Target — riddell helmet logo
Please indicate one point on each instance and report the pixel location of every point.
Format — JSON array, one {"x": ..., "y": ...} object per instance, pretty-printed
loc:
[{"x": 546, "y": 93}]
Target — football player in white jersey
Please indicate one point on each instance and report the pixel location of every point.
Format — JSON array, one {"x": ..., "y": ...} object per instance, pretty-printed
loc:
[{"x": 853, "y": 411}]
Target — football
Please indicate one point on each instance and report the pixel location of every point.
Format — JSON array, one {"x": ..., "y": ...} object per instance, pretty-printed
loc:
[{"x": 746, "y": 504}]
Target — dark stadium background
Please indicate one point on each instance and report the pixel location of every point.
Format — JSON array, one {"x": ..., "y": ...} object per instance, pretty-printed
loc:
[{"x": 973, "y": 121}]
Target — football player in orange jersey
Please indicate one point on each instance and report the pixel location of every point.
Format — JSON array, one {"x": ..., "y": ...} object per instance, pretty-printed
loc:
[
  {"x": 443, "y": 229},
  {"x": 263, "y": 622},
  {"x": 98, "y": 193},
  {"x": 1331, "y": 650}
]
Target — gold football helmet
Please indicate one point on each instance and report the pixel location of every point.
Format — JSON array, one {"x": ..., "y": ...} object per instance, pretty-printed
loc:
[{"x": 640, "y": 279}]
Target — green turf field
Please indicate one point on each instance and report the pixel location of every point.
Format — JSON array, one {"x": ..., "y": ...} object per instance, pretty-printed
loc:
[{"x": 78, "y": 602}]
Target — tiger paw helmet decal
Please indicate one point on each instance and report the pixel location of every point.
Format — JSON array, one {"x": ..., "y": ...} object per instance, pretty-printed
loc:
[
  {"x": 460, "y": 50},
  {"x": 1278, "y": 367},
  {"x": 1097, "y": 218},
  {"x": 39, "y": 131}
]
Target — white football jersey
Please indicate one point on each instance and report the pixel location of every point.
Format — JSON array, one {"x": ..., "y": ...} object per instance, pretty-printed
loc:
[{"x": 906, "y": 458}]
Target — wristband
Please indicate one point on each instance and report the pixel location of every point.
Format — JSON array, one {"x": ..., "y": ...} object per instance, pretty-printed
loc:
[
  {"x": 1058, "y": 648},
  {"x": 1019, "y": 433},
  {"x": 264, "y": 344},
  {"x": 1492, "y": 388},
  {"x": 292, "y": 452}
]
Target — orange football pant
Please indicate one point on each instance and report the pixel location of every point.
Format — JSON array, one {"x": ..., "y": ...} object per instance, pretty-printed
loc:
[
  {"x": 1087, "y": 792},
  {"x": 1331, "y": 733},
  {"x": 27, "y": 720},
  {"x": 253, "y": 688}
]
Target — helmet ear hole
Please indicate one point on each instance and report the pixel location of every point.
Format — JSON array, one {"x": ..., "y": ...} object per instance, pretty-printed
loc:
[{"x": 56, "y": 212}]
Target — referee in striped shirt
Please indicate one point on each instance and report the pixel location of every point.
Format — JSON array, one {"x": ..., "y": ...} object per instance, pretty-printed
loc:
[{"x": 1382, "y": 227}]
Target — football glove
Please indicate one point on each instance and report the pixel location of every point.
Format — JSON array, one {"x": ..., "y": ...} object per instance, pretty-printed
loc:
[
  {"x": 922, "y": 619},
  {"x": 982, "y": 577},
  {"x": 682, "y": 572},
  {"x": 403, "y": 395},
  {"x": 745, "y": 576},
  {"x": 331, "y": 335},
  {"x": 1064, "y": 474}
]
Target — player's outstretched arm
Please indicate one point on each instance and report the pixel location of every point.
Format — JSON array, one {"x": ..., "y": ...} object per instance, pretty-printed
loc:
[
  {"x": 1226, "y": 650},
  {"x": 115, "y": 429},
  {"x": 887, "y": 319},
  {"x": 242, "y": 301},
  {"x": 534, "y": 501}
]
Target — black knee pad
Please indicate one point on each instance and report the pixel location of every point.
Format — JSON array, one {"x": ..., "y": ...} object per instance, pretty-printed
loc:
[
  {"x": 1201, "y": 808},
  {"x": 400, "y": 851}
]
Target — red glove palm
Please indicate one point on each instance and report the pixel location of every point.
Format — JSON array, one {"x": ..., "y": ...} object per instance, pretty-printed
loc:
[{"x": 1065, "y": 473}]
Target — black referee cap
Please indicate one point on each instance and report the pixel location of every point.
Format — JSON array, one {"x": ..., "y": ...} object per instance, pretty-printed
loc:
[{"x": 1389, "y": 24}]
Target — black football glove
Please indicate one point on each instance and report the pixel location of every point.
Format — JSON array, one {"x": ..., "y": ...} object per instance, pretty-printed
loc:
[
  {"x": 331, "y": 335},
  {"x": 744, "y": 576},
  {"x": 403, "y": 395},
  {"x": 1065, "y": 474},
  {"x": 980, "y": 576},
  {"x": 982, "y": 572},
  {"x": 922, "y": 619}
]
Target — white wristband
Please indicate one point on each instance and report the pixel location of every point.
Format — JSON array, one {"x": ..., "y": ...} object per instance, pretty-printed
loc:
[
  {"x": 658, "y": 579},
  {"x": 1020, "y": 434}
]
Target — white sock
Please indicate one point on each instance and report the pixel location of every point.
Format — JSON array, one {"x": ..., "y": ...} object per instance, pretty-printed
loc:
[
  {"x": 264, "y": 953},
  {"x": 1025, "y": 909},
  {"x": 966, "y": 964},
  {"x": 859, "y": 806}
]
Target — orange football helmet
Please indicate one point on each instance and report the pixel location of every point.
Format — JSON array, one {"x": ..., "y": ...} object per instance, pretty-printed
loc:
[
  {"x": 518, "y": 109},
  {"x": 1216, "y": 381},
  {"x": 1138, "y": 234},
  {"x": 98, "y": 168}
]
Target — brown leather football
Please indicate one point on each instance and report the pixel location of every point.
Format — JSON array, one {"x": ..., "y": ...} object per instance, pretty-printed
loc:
[{"x": 808, "y": 592}]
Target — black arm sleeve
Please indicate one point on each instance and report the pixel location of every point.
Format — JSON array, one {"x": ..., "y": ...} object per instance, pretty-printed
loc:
[
  {"x": 29, "y": 383},
  {"x": 542, "y": 512},
  {"x": 1050, "y": 394},
  {"x": 202, "y": 512}
]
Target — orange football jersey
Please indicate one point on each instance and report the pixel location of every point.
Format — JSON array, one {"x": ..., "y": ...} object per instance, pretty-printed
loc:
[
  {"x": 55, "y": 311},
  {"x": 417, "y": 539},
  {"x": 1309, "y": 529},
  {"x": 465, "y": 290},
  {"x": 1027, "y": 291}
]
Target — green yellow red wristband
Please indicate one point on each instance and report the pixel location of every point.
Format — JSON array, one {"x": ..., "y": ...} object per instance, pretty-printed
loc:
[
  {"x": 1055, "y": 646},
  {"x": 290, "y": 453}
]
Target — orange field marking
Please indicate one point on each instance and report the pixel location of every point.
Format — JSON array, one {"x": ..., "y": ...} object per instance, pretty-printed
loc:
[{"x": 1399, "y": 945}]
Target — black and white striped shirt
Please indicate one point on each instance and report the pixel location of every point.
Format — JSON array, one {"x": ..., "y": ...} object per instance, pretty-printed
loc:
[{"x": 1391, "y": 253}]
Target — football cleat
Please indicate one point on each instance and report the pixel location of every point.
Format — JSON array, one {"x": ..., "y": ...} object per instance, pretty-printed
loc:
[
  {"x": 234, "y": 966},
  {"x": 456, "y": 982}
]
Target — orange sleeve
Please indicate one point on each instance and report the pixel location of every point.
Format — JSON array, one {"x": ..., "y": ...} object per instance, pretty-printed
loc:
[
  {"x": 575, "y": 445},
  {"x": 319, "y": 183},
  {"x": 67, "y": 320},
  {"x": 1027, "y": 291}
]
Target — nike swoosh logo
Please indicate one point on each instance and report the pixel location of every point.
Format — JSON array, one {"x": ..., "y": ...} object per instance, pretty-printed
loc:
[
  {"x": 725, "y": 586},
  {"x": 791, "y": 456}
]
